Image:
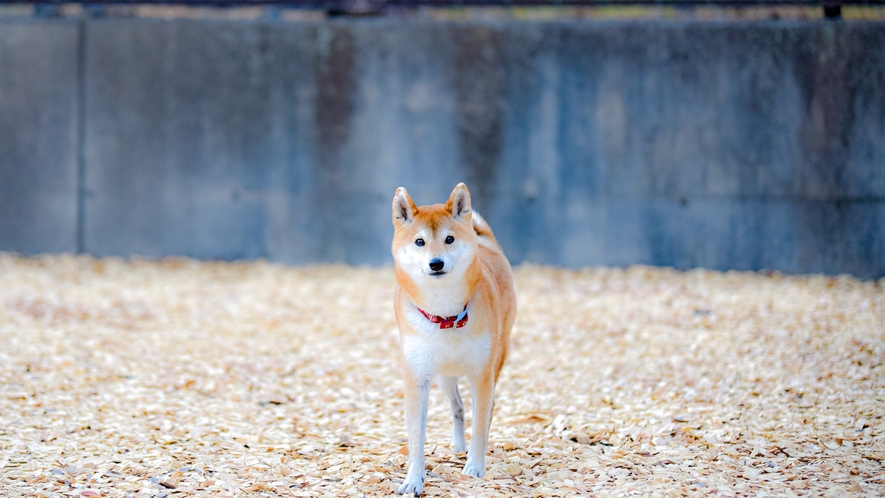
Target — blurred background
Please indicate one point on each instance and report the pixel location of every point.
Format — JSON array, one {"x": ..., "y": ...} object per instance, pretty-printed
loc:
[{"x": 745, "y": 135}]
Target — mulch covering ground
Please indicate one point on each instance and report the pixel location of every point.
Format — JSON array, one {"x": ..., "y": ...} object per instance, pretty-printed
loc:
[{"x": 184, "y": 378}]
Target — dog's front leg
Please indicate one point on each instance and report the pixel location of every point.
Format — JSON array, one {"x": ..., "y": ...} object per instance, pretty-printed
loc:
[
  {"x": 417, "y": 387},
  {"x": 482, "y": 387}
]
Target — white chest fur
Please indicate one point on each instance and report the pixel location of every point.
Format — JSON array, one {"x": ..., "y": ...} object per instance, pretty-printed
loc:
[{"x": 450, "y": 352}]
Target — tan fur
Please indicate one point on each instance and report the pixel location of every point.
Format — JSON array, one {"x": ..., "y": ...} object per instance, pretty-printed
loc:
[{"x": 484, "y": 282}]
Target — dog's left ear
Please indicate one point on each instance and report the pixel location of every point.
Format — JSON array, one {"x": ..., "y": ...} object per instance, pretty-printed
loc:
[{"x": 459, "y": 203}]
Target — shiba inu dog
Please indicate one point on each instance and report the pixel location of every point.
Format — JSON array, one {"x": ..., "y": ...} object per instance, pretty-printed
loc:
[{"x": 455, "y": 305}]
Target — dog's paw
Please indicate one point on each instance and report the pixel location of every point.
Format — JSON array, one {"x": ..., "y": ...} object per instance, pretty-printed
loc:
[
  {"x": 474, "y": 469},
  {"x": 412, "y": 485}
]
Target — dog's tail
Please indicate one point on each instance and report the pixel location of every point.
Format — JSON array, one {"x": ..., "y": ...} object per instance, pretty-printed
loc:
[
  {"x": 481, "y": 227},
  {"x": 484, "y": 231}
]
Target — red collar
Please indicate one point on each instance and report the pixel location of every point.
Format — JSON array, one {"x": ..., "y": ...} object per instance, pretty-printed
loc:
[{"x": 447, "y": 322}]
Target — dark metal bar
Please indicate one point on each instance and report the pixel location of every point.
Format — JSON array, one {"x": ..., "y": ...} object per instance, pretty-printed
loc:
[
  {"x": 833, "y": 11},
  {"x": 380, "y": 4}
]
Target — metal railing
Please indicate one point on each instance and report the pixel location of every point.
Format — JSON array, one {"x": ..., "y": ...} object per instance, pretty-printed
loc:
[{"x": 832, "y": 8}]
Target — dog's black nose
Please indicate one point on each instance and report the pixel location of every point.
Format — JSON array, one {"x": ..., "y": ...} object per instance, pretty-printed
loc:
[{"x": 436, "y": 264}]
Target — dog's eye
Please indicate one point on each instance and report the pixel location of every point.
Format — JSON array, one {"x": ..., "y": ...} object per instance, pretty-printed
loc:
[
  {"x": 419, "y": 242},
  {"x": 450, "y": 239}
]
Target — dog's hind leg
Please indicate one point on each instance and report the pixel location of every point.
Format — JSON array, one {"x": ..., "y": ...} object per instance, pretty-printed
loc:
[{"x": 449, "y": 386}]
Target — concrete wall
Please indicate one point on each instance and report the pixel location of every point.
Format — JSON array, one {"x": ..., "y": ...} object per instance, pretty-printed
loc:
[
  {"x": 720, "y": 145},
  {"x": 38, "y": 137}
]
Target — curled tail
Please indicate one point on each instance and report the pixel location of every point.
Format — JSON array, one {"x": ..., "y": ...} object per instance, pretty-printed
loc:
[{"x": 484, "y": 231}]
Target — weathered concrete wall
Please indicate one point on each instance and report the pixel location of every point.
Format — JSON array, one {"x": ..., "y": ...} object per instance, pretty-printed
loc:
[
  {"x": 38, "y": 137},
  {"x": 722, "y": 145}
]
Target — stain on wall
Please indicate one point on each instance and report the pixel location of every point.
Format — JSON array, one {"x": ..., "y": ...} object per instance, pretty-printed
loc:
[
  {"x": 336, "y": 82},
  {"x": 478, "y": 78}
]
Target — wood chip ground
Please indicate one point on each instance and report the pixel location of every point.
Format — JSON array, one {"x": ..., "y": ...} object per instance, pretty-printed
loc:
[{"x": 183, "y": 378}]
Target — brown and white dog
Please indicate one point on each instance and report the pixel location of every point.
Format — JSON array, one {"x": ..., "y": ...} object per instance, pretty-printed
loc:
[{"x": 455, "y": 305}]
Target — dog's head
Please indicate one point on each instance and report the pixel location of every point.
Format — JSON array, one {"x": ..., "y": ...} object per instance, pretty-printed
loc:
[{"x": 434, "y": 241}]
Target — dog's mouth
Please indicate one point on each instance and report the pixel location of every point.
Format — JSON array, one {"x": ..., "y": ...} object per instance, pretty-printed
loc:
[{"x": 437, "y": 274}]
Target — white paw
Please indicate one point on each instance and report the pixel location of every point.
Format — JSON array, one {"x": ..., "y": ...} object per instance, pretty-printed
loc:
[
  {"x": 474, "y": 469},
  {"x": 459, "y": 445},
  {"x": 413, "y": 485}
]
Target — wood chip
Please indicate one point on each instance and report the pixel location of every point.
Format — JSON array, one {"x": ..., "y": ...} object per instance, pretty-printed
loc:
[
  {"x": 182, "y": 377},
  {"x": 170, "y": 483}
]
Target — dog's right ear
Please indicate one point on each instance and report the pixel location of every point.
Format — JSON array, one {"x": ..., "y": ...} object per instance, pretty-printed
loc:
[{"x": 404, "y": 208}]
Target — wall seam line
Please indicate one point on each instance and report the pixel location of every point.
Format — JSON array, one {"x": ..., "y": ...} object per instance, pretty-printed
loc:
[{"x": 81, "y": 137}]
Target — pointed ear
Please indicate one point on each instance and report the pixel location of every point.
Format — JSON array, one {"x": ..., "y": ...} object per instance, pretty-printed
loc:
[
  {"x": 459, "y": 203},
  {"x": 404, "y": 208}
]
